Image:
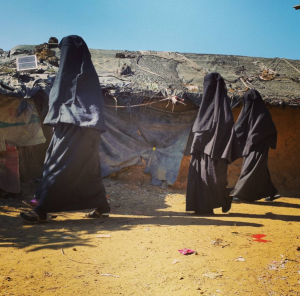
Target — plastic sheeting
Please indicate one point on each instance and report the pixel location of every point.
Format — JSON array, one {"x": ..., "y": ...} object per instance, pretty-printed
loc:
[
  {"x": 9, "y": 170},
  {"x": 26, "y": 89},
  {"x": 23, "y": 130},
  {"x": 24, "y": 84},
  {"x": 157, "y": 136},
  {"x": 152, "y": 72}
]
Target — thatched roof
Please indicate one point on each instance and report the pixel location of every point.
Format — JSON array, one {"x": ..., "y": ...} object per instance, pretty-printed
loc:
[{"x": 156, "y": 75}]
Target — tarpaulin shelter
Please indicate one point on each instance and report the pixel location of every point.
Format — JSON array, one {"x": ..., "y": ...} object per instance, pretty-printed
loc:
[
  {"x": 144, "y": 126},
  {"x": 20, "y": 123}
]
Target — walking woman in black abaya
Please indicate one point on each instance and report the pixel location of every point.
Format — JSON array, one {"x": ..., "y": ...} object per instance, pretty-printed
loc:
[
  {"x": 256, "y": 133},
  {"x": 214, "y": 147},
  {"x": 72, "y": 174}
]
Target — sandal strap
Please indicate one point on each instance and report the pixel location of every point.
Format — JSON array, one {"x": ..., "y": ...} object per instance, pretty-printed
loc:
[
  {"x": 97, "y": 213},
  {"x": 32, "y": 216}
]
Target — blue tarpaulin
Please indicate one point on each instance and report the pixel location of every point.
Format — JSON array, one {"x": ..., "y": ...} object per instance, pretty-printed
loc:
[{"x": 158, "y": 136}]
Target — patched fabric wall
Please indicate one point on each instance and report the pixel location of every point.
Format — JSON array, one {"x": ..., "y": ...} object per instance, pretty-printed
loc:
[{"x": 22, "y": 130}]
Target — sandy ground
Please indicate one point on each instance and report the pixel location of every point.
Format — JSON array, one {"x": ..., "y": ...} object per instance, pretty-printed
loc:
[{"x": 138, "y": 254}]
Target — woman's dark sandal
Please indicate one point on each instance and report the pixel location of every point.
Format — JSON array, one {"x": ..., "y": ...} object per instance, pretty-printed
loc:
[
  {"x": 226, "y": 208},
  {"x": 33, "y": 217},
  {"x": 95, "y": 214},
  {"x": 272, "y": 198},
  {"x": 32, "y": 203}
]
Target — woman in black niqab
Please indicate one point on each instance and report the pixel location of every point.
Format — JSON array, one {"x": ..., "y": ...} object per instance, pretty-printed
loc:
[
  {"x": 214, "y": 147},
  {"x": 71, "y": 172},
  {"x": 256, "y": 133}
]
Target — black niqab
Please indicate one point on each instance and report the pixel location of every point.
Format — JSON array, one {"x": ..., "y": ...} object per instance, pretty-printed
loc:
[
  {"x": 255, "y": 124},
  {"x": 76, "y": 95},
  {"x": 213, "y": 127},
  {"x": 72, "y": 173}
]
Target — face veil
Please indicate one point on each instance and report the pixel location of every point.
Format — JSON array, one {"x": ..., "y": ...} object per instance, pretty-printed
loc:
[
  {"x": 255, "y": 124},
  {"x": 76, "y": 95}
]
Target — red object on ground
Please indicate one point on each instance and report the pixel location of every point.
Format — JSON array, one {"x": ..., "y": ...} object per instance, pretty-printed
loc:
[
  {"x": 258, "y": 238},
  {"x": 186, "y": 251}
]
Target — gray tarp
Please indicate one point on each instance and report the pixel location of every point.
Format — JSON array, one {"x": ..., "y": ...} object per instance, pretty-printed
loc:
[
  {"x": 157, "y": 136},
  {"x": 154, "y": 75}
]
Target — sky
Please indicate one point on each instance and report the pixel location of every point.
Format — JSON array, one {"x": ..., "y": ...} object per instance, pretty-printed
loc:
[{"x": 258, "y": 28}]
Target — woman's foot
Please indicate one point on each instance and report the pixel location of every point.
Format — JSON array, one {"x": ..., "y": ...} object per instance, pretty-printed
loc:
[
  {"x": 32, "y": 216},
  {"x": 272, "y": 198},
  {"x": 96, "y": 214},
  {"x": 226, "y": 208},
  {"x": 32, "y": 203}
]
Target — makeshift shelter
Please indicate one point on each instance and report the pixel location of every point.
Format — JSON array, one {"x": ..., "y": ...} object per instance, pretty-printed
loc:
[{"x": 146, "y": 130}]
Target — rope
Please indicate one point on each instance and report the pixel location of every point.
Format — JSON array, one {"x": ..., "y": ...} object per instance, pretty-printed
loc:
[
  {"x": 146, "y": 104},
  {"x": 104, "y": 68},
  {"x": 291, "y": 65},
  {"x": 111, "y": 72},
  {"x": 148, "y": 71},
  {"x": 244, "y": 82},
  {"x": 62, "y": 251},
  {"x": 190, "y": 61}
]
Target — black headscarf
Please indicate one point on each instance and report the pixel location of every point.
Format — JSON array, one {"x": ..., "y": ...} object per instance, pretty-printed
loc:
[
  {"x": 255, "y": 124},
  {"x": 213, "y": 127},
  {"x": 76, "y": 95}
]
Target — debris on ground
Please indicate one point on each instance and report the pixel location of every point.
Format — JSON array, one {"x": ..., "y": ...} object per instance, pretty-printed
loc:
[
  {"x": 258, "y": 238},
  {"x": 107, "y": 274},
  {"x": 212, "y": 275},
  {"x": 186, "y": 251},
  {"x": 240, "y": 259},
  {"x": 217, "y": 242}
]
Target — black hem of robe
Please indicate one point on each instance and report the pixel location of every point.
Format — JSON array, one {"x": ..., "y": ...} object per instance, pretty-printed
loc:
[
  {"x": 207, "y": 181},
  {"x": 72, "y": 173},
  {"x": 255, "y": 181}
]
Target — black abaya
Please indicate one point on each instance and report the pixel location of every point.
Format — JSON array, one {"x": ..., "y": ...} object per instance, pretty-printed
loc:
[
  {"x": 76, "y": 95},
  {"x": 255, "y": 182},
  {"x": 214, "y": 147},
  {"x": 207, "y": 181},
  {"x": 256, "y": 133},
  {"x": 72, "y": 173}
]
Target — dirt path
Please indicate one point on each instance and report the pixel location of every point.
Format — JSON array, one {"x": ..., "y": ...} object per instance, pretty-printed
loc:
[{"x": 139, "y": 256}]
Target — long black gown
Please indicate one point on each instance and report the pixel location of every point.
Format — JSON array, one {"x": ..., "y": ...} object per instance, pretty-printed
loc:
[
  {"x": 214, "y": 147},
  {"x": 256, "y": 133},
  {"x": 71, "y": 172}
]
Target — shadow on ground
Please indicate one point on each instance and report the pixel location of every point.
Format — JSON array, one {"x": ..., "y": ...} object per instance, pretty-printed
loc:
[{"x": 72, "y": 229}]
